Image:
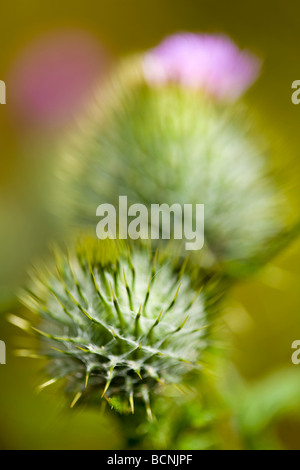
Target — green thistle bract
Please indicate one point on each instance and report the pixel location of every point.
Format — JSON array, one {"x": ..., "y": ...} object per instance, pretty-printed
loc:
[{"x": 117, "y": 324}]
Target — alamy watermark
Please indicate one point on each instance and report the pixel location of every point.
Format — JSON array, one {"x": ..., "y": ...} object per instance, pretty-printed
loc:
[
  {"x": 296, "y": 354},
  {"x": 2, "y": 352},
  {"x": 2, "y": 92},
  {"x": 159, "y": 221}
]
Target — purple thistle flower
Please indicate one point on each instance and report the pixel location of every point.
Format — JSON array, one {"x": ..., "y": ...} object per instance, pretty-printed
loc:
[{"x": 211, "y": 63}]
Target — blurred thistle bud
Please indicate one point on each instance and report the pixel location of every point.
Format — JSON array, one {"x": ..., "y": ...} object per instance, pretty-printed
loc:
[
  {"x": 116, "y": 322},
  {"x": 177, "y": 143}
]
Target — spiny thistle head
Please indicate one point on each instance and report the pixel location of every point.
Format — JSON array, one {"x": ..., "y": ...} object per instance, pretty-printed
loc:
[
  {"x": 118, "y": 326},
  {"x": 175, "y": 144}
]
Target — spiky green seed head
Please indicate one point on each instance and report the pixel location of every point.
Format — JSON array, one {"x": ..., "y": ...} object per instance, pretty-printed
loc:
[
  {"x": 117, "y": 323},
  {"x": 170, "y": 145}
]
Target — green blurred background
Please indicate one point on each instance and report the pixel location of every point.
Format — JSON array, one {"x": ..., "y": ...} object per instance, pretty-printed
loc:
[{"x": 262, "y": 314}]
